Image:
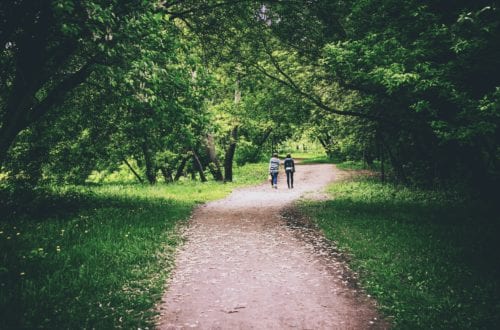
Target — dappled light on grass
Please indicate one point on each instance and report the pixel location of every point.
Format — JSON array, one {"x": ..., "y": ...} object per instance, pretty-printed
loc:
[
  {"x": 78, "y": 270},
  {"x": 93, "y": 256},
  {"x": 429, "y": 258}
]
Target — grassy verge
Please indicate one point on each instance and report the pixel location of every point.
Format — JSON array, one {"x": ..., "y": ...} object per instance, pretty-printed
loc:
[
  {"x": 358, "y": 165},
  {"x": 430, "y": 259},
  {"x": 343, "y": 165},
  {"x": 317, "y": 160},
  {"x": 94, "y": 257},
  {"x": 304, "y": 155}
]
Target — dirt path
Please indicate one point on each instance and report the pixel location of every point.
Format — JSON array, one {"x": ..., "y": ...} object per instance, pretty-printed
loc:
[{"x": 245, "y": 267}]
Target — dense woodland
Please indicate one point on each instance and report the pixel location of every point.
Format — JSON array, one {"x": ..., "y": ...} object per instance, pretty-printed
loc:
[
  {"x": 172, "y": 88},
  {"x": 178, "y": 94}
]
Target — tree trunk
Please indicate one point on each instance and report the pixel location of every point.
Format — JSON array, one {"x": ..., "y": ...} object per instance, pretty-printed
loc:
[
  {"x": 381, "y": 157},
  {"x": 133, "y": 171},
  {"x": 233, "y": 136},
  {"x": 228, "y": 161},
  {"x": 198, "y": 166},
  {"x": 326, "y": 142},
  {"x": 260, "y": 143},
  {"x": 382, "y": 167},
  {"x": 323, "y": 143},
  {"x": 180, "y": 169},
  {"x": 150, "y": 163},
  {"x": 214, "y": 165},
  {"x": 167, "y": 173},
  {"x": 8, "y": 133},
  {"x": 400, "y": 173},
  {"x": 368, "y": 156},
  {"x": 20, "y": 111}
]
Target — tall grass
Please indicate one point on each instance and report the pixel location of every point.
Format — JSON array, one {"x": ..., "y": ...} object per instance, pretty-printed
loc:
[
  {"x": 429, "y": 258},
  {"x": 94, "y": 257}
]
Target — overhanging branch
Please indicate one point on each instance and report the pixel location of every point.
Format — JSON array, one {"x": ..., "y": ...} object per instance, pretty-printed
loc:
[
  {"x": 57, "y": 95},
  {"x": 290, "y": 84},
  {"x": 288, "y": 81},
  {"x": 202, "y": 8},
  {"x": 208, "y": 7}
]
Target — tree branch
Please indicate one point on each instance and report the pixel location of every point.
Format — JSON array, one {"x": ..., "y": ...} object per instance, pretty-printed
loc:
[
  {"x": 59, "y": 92},
  {"x": 138, "y": 177},
  {"x": 290, "y": 83},
  {"x": 202, "y": 8}
]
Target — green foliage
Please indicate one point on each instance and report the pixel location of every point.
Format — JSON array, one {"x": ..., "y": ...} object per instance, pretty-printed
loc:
[
  {"x": 94, "y": 257},
  {"x": 429, "y": 258},
  {"x": 358, "y": 165},
  {"x": 408, "y": 83},
  {"x": 92, "y": 268},
  {"x": 137, "y": 100},
  {"x": 422, "y": 70},
  {"x": 87, "y": 87}
]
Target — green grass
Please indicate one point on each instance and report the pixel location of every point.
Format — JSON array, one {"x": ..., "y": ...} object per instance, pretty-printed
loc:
[
  {"x": 318, "y": 157},
  {"x": 304, "y": 155},
  {"x": 317, "y": 160},
  {"x": 343, "y": 165},
  {"x": 358, "y": 165},
  {"x": 430, "y": 259},
  {"x": 94, "y": 257}
]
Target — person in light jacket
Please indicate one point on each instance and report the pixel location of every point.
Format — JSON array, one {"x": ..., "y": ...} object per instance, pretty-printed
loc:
[
  {"x": 274, "y": 166},
  {"x": 289, "y": 165}
]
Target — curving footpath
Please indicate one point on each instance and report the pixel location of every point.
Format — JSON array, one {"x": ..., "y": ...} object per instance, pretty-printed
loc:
[{"x": 244, "y": 266}]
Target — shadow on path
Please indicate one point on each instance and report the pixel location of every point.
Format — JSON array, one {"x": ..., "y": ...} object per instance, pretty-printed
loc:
[{"x": 245, "y": 266}]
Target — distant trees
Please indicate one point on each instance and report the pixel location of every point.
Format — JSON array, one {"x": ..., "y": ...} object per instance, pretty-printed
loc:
[
  {"x": 431, "y": 72},
  {"x": 49, "y": 48},
  {"x": 419, "y": 81},
  {"x": 91, "y": 85},
  {"x": 169, "y": 88}
]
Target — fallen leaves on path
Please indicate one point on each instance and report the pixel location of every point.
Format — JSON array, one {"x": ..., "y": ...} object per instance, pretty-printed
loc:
[{"x": 251, "y": 262}]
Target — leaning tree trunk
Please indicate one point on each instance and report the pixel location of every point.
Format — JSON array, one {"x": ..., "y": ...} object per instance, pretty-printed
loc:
[
  {"x": 228, "y": 161},
  {"x": 133, "y": 171},
  {"x": 180, "y": 169},
  {"x": 21, "y": 111},
  {"x": 214, "y": 165},
  {"x": 8, "y": 133},
  {"x": 198, "y": 166}
]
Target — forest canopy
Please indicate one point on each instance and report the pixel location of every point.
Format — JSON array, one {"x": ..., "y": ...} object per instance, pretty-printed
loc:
[{"x": 168, "y": 88}]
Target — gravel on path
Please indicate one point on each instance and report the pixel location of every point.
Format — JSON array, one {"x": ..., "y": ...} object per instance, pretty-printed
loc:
[{"x": 244, "y": 266}]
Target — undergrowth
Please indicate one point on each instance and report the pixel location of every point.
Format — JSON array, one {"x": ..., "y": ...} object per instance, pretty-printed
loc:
[
  {"x": 429, "y": 258},
  {"x": 94, "y": 256}
]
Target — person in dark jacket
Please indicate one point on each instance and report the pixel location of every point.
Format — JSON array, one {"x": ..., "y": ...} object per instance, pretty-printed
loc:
[
  {"x": 274, "y": 166},
  {"x": 289, "y": 165}
]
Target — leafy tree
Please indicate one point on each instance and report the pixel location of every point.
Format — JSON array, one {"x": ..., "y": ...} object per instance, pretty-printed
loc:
[
  {"x": 414, "y": 82},
  {"x": 52, "y": 47},
  {"x": 411, "y": 64}
]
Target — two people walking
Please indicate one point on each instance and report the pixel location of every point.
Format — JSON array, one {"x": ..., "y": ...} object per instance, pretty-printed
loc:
[{"x": 274, "y": 165}]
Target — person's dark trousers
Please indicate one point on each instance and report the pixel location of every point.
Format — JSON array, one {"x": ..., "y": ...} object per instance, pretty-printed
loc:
[
  {"x": 289, "y": 178},
  {"x": 274, "y": 181}
]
